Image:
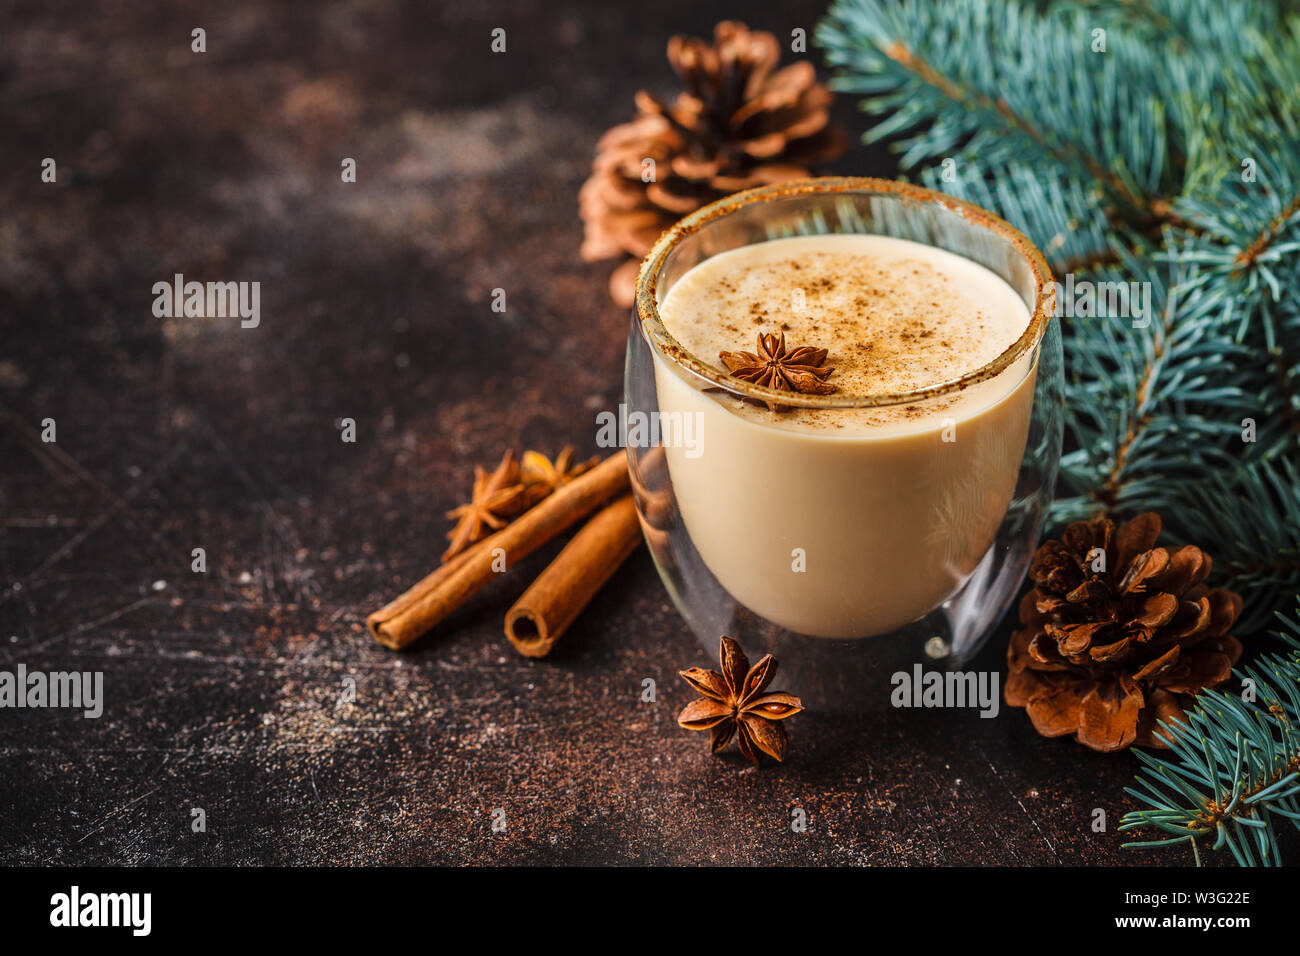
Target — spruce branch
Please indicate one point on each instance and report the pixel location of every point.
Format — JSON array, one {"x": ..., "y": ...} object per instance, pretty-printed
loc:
[
  {"x": 1131, "y": 391},
  {"x": 1252, "y": 514},
  {"x": 1233, "y": 772},
  {"x": 1192, "y": 27},
  {"x": 955, "y": 77}
]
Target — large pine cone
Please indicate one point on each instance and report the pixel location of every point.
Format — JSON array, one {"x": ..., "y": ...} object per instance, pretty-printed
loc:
[
  {"x": 738, "y": 124},
  {"x": 1118, "y": 634}
]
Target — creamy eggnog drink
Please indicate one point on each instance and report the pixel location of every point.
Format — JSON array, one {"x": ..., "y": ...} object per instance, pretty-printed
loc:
[{"x": 848, "y": 521}]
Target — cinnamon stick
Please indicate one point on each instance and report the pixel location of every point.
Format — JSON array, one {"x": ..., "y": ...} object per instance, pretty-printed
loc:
[
  {"x": 419, "y": 609},
  {"x": 398, "y": 607},
  {"x": 559, "y": 594}
]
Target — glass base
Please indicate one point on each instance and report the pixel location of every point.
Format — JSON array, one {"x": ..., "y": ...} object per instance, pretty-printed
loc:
[{"x": 855, "y": 674}]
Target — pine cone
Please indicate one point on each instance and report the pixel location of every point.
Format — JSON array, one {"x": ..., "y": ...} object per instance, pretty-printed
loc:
[
  {"x": 738, "y": 124},
  {"x": 1118, "y": 634}
]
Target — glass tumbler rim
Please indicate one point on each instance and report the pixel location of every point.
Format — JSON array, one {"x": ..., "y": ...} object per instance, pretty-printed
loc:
[{"x": 667, "y": 346}]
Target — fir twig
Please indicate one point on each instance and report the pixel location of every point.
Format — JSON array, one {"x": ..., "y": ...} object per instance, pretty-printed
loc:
[{"x": 1235, "y": 766}]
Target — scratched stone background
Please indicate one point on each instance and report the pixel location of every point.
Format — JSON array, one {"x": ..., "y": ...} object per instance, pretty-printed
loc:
[{"x": 223, "y": 689}]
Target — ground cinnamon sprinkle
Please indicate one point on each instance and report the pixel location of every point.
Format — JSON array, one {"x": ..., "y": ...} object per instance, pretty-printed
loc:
[{"x": 894, "y": 316}]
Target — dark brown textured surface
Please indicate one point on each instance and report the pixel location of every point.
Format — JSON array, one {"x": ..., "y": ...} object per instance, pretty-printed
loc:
[{"x": 223, "y": 690}]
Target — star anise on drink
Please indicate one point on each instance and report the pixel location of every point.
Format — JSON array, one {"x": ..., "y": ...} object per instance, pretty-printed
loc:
[
  {"x": 801, "y": 369},
  {"x": 541, "y": 476},
  {"x": 496, "y": 498},
  {"x": 733, "y": 704}
]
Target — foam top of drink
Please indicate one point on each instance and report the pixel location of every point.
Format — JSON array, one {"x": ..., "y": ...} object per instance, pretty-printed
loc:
[{"x": 895, "y": 316}]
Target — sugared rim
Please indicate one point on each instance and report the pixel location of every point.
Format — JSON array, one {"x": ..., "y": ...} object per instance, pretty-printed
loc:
[{"x": 674, "y": 351}]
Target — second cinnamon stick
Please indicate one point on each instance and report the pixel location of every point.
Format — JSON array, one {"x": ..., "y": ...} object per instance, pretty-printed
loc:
[{"x": 559, "y": 594}]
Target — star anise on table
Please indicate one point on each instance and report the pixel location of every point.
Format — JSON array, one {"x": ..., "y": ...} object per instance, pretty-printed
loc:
[
  {"x": 733, "y": 704},
  {"x": 801, "y": 369},
  {"x": 541, "y": 476},
  {"x": 496, "y": 498}
]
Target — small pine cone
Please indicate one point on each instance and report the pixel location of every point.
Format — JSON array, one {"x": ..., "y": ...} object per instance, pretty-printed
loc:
[
  {"x": 736, "y": 125},
  {"x": 1118, "y": 634}
]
